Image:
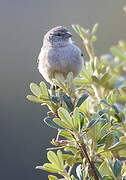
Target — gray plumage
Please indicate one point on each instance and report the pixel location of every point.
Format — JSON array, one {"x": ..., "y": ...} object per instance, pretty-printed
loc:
[{"x": 59, "y": 54}]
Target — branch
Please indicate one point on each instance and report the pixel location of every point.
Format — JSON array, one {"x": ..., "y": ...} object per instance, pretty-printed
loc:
[{"x": 84, "y": 154}]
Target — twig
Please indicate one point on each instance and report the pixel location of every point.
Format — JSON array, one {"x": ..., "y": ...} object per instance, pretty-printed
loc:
[{"x": 84, "y": 154}]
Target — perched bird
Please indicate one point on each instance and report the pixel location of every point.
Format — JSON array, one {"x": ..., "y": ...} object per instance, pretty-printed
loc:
[{"x": 59, "y": 54}]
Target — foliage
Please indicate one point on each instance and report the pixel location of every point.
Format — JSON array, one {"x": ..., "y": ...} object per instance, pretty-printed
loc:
[{"x": 89, "y": 114}]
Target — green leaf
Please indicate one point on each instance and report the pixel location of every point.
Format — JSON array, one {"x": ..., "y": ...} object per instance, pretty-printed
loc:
[
  {"x": 49, "y": 121},
  {"x": 117, "y": 168},
  {"x": 60, "y": 158},
  {"x": 51, "y": 177},
  {"x": 52, "y": 157},
  {"x": 59, "y": 77},
  {"x": 59, "y": 80},
  {"x": 44, "y": 90},
  {"x": 105, "y": 169},
  {"x": 93, "y": 38},
  {"x": 105, "y": 78},
  {"x": 93, "y": 122},
  {"x": 56, "y": 160},
  {"x": 68, "y": 102},
  {"x": 76, "y": 119},
  {"x": 34, "y": 99},
  {"x": 118, "y": 146},
  {"x": 35, "y": 89},
  {"x": 105, "y": 103},
  {"x": 65, "y": 116},
  {"x": 108, "y": 178},
  {"x": 71, "y": 149},
  {"x": 109, "y": 140},
  {"x": 113, "y": 96},
  {"x": 116, "y": 51},
  {"x": 94, "y": 29},
  {"x": 66, "y": 134},
  {"x": 104, "y": 130},
  {"x": 87, "y": 72},
  {"x": 81, "y": 81},
  {"x": 67, "y": 156},
  {"x": 93, "y": 132},
  {"x": 62, "y": 123},
  {"x": 70, "y": 160},
  {"x": 48, "y": 167},
  {"x": 82, "y": 99}
]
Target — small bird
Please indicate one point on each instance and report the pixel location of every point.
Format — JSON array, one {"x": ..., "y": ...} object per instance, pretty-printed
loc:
[{"x": 59, "y": 54}]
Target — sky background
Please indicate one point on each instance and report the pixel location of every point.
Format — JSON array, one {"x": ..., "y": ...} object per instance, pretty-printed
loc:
[{"x": 23, "y": 134}]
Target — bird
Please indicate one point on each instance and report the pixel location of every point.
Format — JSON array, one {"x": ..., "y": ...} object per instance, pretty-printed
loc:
[{"x": 59, "y": 54}]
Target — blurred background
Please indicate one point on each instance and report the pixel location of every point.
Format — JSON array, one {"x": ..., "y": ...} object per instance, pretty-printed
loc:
[{"x": 23, "y": 134}]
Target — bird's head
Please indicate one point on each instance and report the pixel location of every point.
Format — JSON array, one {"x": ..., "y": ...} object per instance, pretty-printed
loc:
[{"x": 58, "y": 36}]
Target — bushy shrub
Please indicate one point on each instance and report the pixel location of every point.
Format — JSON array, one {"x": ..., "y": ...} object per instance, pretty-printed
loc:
[{"x": 89, "y": 113}]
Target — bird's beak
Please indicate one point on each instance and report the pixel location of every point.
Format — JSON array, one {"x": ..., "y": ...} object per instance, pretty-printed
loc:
[{"x": 68, "y": 34}]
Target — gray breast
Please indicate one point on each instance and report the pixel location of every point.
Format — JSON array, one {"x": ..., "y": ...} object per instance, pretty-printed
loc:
[{"x": 65, "y": 59}]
